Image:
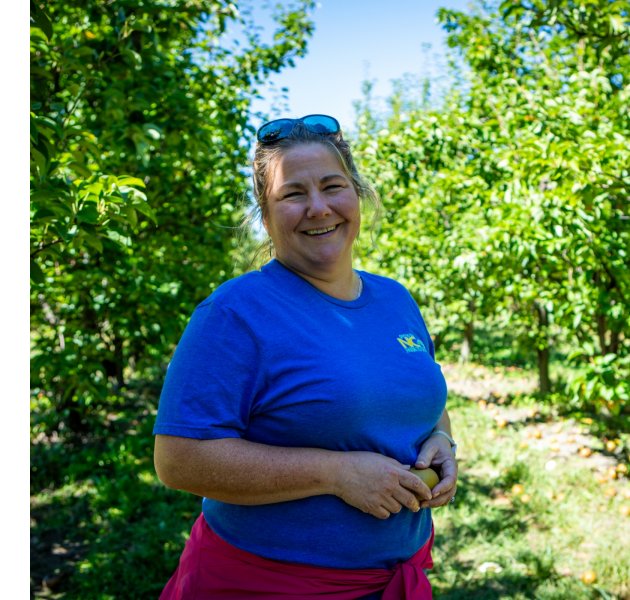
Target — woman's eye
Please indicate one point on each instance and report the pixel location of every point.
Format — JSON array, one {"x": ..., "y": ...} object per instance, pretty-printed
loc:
[
  {"x": 333, "y": 187},
  {"x": 291, "y": 195}
]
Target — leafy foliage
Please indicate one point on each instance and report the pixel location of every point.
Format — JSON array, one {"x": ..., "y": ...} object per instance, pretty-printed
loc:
[
  {"x": 139, "y": 138},
  {"x": 506, "y": 206}
]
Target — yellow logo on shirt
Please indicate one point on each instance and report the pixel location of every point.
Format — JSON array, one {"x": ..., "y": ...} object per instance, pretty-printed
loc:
[{"x": 411, "y": 343}]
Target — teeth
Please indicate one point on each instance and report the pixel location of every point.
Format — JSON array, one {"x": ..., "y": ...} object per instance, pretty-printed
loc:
[{"x": 320, "y": 231}]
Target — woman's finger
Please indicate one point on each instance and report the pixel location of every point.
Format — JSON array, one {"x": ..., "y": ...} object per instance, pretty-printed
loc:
[
  {"x": 407, "y": 500},
  {"x": 392, "y": 506}
]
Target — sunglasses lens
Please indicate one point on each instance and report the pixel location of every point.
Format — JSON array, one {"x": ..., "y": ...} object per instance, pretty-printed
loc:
[
  {"x": 282, "y": 128},
  {"x": 275, "y": 130},
  {"x": 321, "y": 124}
]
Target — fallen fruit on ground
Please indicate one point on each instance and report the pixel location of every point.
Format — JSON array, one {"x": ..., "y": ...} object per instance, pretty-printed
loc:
[
  {"x": 610, "y": 492},
  {"x": 429, "y": 476},
  {"x": 588, "y": 577},
  {"x": 611, "y": 446}
]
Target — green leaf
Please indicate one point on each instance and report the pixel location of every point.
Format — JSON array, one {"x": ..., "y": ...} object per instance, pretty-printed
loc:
[
  {"x": 130, "y": 181},
  {"x": 37, "y": 275},
  {"x": 41, "y": 20},
  {"x": 88, "y": 214},
  {"x": 93, "y": 241},
  {"x": 41, "y": 162},
  {"x": 146, "y": 210}
]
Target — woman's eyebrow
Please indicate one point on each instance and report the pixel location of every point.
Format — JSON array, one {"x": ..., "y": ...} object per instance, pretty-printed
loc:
[
  {"x": 290, "y": 184},
  {"x": 326, "y": 178}
]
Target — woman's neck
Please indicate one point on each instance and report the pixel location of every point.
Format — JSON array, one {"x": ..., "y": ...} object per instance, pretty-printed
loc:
[{"x": 343, "y": 284}]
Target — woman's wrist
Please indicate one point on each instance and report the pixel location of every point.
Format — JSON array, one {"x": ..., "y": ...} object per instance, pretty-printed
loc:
[
  {"x": 448, "y": 437},
  {"x": 337, "y": 472}
]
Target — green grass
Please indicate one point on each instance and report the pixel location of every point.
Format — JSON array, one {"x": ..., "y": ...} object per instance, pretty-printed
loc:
[
  {"x": 502, "y": 541},
  {"x": 104, "y": 527}
]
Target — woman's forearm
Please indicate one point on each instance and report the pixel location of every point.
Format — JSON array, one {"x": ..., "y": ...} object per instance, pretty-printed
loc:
[
  {"x": 242, "y": 472},
  {"x": 445, "y": 423},
  {"x": 237, "y": 471}
]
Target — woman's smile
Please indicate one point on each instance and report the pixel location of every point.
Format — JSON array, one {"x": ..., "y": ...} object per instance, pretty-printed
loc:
[{"x": 322, "y": 231}]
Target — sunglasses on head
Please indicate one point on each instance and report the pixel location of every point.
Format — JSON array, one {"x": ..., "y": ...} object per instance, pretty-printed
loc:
[{"x": 282, "y": 128}]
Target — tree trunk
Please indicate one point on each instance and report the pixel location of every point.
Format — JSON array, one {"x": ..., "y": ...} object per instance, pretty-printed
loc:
[
  {"x": 437, "y": 342},
  {"x": 601, "y": 333},
  {"x": 614, "y": 342},
  {"x": 608, "y": 339},
  {"x": 467, "y": 343},
  {"x": 114, "y": 366},
  {"x": 544, "y": 381}
]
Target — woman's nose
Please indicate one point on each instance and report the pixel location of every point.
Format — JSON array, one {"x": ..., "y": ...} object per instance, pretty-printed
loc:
[{"x": 317, "y": 205}]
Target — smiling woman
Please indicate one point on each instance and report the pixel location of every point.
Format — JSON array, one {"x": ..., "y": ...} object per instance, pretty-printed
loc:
[{"x": 293, "y": 407}]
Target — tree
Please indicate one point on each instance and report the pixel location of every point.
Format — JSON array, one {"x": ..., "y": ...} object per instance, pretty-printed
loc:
[
  {"x": 514, "y": 191},
  {"x": 139, "y": 147}
]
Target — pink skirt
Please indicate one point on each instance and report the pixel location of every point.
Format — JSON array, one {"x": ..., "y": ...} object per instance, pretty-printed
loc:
[{"x": 209, "y": 567}]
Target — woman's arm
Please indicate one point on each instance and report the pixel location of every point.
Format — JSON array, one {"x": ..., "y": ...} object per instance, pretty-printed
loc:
[
  {"x": 436, "y": 451},
  {"x": 237, "y": 471},
  {"x": 444, "y": 424}
]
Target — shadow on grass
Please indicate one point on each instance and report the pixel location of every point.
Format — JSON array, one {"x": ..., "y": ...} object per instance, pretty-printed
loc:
[{"x": 102, "y": 525}]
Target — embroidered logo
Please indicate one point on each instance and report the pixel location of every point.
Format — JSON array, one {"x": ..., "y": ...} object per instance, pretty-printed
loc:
[{"x": 411, "y": 343}]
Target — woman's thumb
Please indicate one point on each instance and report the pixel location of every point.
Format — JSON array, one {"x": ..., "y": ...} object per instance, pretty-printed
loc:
[{"x": 424, "y": 458}]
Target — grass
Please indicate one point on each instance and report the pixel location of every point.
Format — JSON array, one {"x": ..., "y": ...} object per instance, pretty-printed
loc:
[
  {"x": 530, "y": 518},
  {"x": 102, "y": 525}
]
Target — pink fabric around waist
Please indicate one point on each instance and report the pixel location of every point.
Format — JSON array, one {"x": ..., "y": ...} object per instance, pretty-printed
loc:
[{"x": 211, "y": 568}]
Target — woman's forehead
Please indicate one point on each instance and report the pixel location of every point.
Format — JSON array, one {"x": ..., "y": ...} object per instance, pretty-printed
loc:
[{"x": 304, "y": 159}]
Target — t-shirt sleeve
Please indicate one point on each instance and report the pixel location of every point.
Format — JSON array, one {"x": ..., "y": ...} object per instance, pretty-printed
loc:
[
  {"x": 213, "y": 378},
  {"x": 430, "y": 344}
]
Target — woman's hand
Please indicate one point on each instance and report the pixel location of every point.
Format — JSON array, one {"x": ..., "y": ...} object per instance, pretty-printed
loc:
[
  {"x": 378, "y": 485},
  {"x": 436, "y": 452}
]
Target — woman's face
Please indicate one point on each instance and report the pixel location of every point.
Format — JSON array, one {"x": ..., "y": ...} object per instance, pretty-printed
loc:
[{"x": 313, "y": 213}]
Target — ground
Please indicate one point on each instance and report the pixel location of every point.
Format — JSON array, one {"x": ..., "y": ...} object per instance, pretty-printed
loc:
[
  {"x": 563, "y": 439},
  {"x": 542, "y": 509}
]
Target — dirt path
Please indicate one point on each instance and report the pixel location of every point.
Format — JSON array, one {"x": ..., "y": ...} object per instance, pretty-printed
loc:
[{"x": 562, "y": 439}]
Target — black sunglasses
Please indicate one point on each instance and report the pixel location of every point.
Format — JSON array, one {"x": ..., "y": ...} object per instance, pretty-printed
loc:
[{"x": 282, "y": 128}]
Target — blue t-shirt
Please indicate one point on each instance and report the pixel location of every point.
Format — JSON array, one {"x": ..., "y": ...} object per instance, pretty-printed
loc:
[{"x": 271, "y": 359}]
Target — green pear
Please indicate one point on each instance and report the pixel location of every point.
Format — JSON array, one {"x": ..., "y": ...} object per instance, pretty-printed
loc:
[{"x": 429, "y": 476}]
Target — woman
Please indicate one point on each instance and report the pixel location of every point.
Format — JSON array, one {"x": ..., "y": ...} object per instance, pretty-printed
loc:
[{"x": 298, "y": 399}]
